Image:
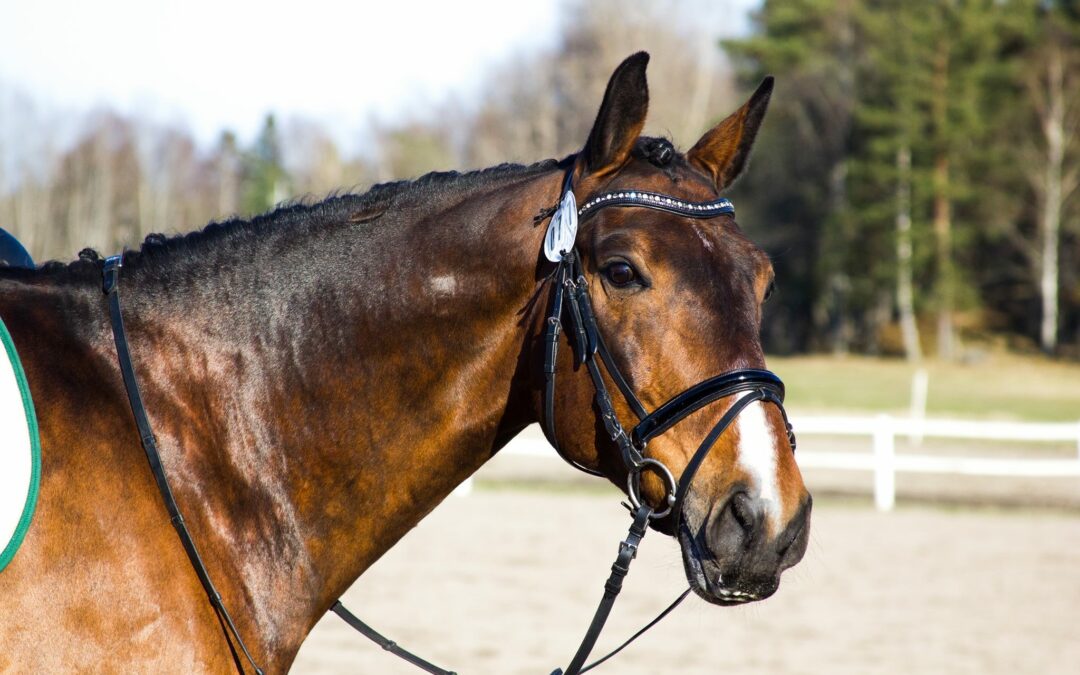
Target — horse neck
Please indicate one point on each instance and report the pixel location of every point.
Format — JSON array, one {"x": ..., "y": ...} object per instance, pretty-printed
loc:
[{"x": 316, "y": 402}]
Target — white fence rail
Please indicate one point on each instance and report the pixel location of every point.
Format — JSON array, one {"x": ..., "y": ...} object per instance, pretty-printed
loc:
[{"x": 885, "y": 463}]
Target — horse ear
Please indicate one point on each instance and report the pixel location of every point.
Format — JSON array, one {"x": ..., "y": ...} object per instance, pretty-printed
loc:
[
  {"x": 621, "y": 117},
  {"x": 723, "y": 150}
]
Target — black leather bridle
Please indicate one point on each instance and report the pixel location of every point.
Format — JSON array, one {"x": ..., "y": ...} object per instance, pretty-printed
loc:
[
  {"x": 571, "y": 310},
  {"x": 760, "y": 385},
  {"x": 570, "y": 302}
]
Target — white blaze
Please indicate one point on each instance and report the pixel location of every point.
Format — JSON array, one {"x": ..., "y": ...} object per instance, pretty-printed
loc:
[{"x": 757, "y": 456}]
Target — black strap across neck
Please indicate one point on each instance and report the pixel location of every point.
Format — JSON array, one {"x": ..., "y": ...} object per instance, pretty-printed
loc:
[
  {"x": 111, "y": 287},
  {"x": 384, "y": 642}
]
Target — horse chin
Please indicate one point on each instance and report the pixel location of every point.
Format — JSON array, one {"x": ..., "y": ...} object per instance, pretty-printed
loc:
[{"x": 710, "y": 582}]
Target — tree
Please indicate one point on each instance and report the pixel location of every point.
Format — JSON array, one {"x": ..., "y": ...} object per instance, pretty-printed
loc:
[
  {"x": 1052, "y": 82},
  {"x": 264, "y": 176},
  {"x": 938, "y": 59},
  {"x": 800, "y": 182}
]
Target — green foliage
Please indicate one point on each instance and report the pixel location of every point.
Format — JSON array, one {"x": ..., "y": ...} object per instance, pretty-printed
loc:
[
  {"x": 858, "y": 82},
  {"x": 264, "y": 175},
  {"x": 962, "y": 83}
]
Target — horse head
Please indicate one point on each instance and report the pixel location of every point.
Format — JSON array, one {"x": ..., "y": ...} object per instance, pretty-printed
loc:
[{"x": 677, "y": 292}]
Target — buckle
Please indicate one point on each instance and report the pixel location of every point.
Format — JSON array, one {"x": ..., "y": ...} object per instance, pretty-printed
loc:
[{"x": 110, "y": 273}]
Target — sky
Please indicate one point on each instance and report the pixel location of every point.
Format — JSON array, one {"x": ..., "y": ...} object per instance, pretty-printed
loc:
[{"x": 214, "y": 64}]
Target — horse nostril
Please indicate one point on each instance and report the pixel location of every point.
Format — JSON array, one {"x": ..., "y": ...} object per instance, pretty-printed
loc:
[
  {"x": 742, "y": 507},
  {"x": 794, "y": 539},
  {"x": 737, "y": 526}
]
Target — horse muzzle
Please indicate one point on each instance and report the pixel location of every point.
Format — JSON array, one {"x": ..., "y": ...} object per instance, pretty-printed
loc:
[{"x": 730, "y": 557}]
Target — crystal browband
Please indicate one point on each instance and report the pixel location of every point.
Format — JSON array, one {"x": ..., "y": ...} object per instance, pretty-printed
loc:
[{"x": 652, "y": 200}]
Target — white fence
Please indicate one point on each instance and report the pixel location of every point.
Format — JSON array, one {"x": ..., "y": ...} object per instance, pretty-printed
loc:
[{"x": 885, "y": 463}]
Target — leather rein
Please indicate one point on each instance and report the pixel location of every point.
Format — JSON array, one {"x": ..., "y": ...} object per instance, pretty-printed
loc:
[{"x": 571, "y": 310}]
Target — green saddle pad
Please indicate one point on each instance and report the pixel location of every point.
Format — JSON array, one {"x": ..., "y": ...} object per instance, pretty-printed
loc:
[{"x": 20, "y": 452}]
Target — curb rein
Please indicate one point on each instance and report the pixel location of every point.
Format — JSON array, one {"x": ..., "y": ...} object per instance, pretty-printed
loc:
[{"x": 570, "y": 291}]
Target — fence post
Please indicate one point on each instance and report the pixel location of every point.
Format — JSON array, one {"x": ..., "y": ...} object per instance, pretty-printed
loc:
[
  {"x": 884, "y": 464},
  {"x": 920, "y": 384}
]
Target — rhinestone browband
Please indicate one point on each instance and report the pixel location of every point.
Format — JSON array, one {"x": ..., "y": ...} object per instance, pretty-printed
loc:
[{"x": 652, "y": 200}]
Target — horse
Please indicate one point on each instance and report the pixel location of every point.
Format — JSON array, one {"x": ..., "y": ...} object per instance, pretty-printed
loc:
[{"x": 320, "y": 377}]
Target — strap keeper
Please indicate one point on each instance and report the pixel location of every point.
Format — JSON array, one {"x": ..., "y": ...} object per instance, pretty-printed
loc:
[{"x": 110, "y": 273}]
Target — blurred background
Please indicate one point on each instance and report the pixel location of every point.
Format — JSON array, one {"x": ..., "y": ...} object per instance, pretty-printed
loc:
[{"x": 915, "y": 182}]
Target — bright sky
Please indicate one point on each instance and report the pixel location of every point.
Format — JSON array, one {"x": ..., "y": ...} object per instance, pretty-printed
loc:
[
  {"x": 214, "y": 64},
  {"x": 220, "y": 63}
]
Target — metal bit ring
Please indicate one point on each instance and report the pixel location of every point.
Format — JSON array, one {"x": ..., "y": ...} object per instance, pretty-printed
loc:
[{"x": 633, "y": 485}]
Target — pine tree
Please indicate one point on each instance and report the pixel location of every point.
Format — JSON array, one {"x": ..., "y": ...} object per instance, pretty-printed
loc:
[
  {"x": 799, "y": 185},
  {"x": 264, "y": 175}
]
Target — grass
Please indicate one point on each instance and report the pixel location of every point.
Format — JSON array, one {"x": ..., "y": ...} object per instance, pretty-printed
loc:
[{"x": 1001, "y": 386}]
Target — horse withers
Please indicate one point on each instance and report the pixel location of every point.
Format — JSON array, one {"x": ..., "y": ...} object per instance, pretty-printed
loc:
[{"x": 320, "y": 377}]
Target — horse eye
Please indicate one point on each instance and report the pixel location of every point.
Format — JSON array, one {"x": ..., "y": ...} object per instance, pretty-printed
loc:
[
  {"x": 769, "y": 291},
  {"x": 620, "y": 274}
]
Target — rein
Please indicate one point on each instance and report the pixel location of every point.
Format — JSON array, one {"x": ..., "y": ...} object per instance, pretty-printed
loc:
[
  {"x": 110, "y": 285},
  {"x": 570, "y": 304}
]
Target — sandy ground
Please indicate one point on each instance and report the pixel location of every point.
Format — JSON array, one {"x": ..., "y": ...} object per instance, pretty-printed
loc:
[{"x": 505, "y": 581}]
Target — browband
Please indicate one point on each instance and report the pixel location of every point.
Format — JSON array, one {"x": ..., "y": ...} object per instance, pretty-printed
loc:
[{"x": 652, "y": 200}]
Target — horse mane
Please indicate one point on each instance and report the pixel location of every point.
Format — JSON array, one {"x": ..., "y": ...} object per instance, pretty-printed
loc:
[
  {"x": 295, "y": 214},
  {"x": 298, "y": 214}
]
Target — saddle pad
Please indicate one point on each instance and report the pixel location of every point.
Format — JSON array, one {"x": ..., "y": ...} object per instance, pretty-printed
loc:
[{"x": 20, "y": 452}]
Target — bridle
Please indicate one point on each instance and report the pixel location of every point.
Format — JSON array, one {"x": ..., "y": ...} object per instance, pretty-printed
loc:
[
  {"x": 571, "y": 306},
  {"x": 760, "y": 385},
  {"x": 571, "y": 310},
  {"x": 569, "y": 283}
]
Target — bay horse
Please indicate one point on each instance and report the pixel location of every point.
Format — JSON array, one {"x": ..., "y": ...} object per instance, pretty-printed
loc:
[{"x": 320, "y": 377}]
